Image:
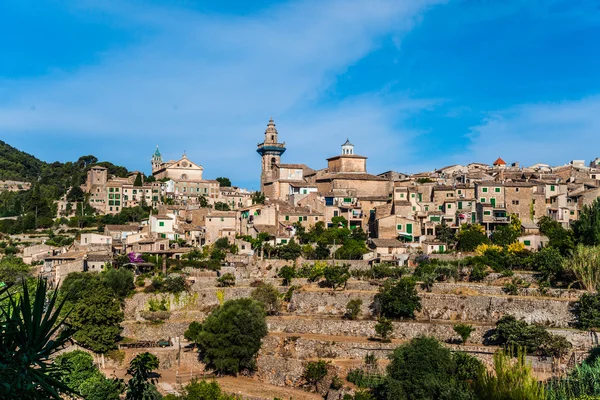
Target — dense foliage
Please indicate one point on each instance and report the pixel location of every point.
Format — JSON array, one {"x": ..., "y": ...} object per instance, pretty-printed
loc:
[
  {"x": 231, "y": 336},
  {"x": 398, "y": 298},
  {"x": 424, "y": 369},
  {"x": 85, "y": 378}
]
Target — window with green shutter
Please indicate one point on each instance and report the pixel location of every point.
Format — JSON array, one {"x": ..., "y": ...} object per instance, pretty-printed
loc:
[
  {"x": 482, "y": 200},
  {"x": 161, "y": 223},
  {"x": 399, "y": 227},
  {"x": 487, "y": 213},
  {"x": 434, "y": 218},
  {"x": 527, "y": 242},
  {"x": 347, "y": 200},
  {"x": 287, "y": 217},
  {"x": 460, "y": 205},
  {"x": 412, "y": 195},
  {"x": 552, "y": 188},
  {"x": 484, "y": 190},
  {"x": 299, "y": 219},
  {"x": 283, "y": 241},
  {"x": 449, "y": 206},
  {"x": 408, "y": 228},
  {"x": 497, "y": 190}
]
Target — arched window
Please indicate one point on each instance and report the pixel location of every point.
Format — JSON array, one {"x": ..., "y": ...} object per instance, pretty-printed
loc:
[
  {"x": 273, "y": 162},
  {"x": 272, "y": 138},
  {"x": 184, "y": 176}
]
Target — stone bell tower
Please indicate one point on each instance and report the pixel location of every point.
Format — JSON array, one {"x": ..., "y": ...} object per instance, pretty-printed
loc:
[{"x": 270, "y": 150}]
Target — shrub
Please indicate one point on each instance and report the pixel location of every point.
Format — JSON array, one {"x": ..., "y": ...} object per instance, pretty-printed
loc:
[
  {"x": 353, "y": 308},
  {"x": 383, "y": 328},
  {"x": 314, "y": 372},
  {"x": 174, "y": 284},
  {"x": 268, "y": 296},
  {"x": 478, "y": 273},
  {"x": 471, "y": 236},
  {"x": 287, "y": 273},
  {"x": 398, "y": 298},
  {"x": 155, "y": 305},
  {"x": 140, "y": 281},
  {"x": 464, "y": 331},
  {"x": 227, "y": 279},
  {"x": 510, "y": 380}
]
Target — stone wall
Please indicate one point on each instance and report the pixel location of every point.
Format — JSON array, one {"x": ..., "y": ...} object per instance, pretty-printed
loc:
[{"x": 481, "y": 308}]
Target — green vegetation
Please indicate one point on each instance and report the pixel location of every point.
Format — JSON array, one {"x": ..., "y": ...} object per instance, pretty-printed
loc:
[
  {"x": 336, "y": 276},
  {"x": 587, "y": 311},
  {"x": 227, "y": 279},
  {"x": 510, "y": 380},
  {"x": 94, "y": 309},
  {"x": 383, "y": 328},
  {"x": 471, "y": 236},
  {"x": 85, "y": 378},
  {"x": 230, "y": 336},
  {"x": 398, "y": 298},
  {"x": 269, "y": 296},
  {"x": 353, "y": 309},
  {"x": 223, "y": 181},
  {"x": 424, "y": 369},
  {"x": 142, "y": 384},
  {"x": 287, "y": 273},
  {"x": 201, "y": 390},
  {"x": 464, "y": 331},
  {"x": 31, "y": 331},
  {"x": 513, "y": 334},
  {"x": 13, "y": 270},
  {"x": 315, "y": 372}
]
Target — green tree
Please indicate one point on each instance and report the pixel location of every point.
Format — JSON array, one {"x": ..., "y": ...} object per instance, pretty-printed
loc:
[
  {"x": 424, "y": 369},
  {"x": 31, "y": 332},
  {"x": 353, "y": 308},
  {"x": 258, "y": 198},
  {"x": 13, "y": 270},
  {"x": 558, "y": 237},
  {"x": 223, "y": 181},
  {"x": 505, "y": 235},
  {"x": 445, "y": 234},
  {"x": 322, "y": 251},
  {"x": 586, "y": 229},
  {"x": 287, "y": 273},
  {"x": 471, "y": 236},
  {"x": 231, "y": 336},
  {"x": 75, "y": 194},
  {"x": 549, "y": 262},
  {"x": 220, "y": 206},
  {"x": 398, "y": 298},
  {"x": 138, "y": 180},
  {"x": 587, "y": 311},
  {"x": 141, "y": 386},
  {"x": 383, "y": 328},
  {"x": 191, "y": 333},
  {"x": 290, "y": 251},
  {"x": 119, "y": 282},
  {"x": 585, "y": 264},
  {"x": 464, "y": 331},
  {"x": 269, "y": 296},
  {"x": 227, "y": 279},
  {"x": 336, "y": 275},
  {"x": 94, "y": 310}
]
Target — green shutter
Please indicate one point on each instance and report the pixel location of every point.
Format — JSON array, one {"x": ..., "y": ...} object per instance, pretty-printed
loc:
[
  {"x": 484, "y": 190},
  {"x": 440, "y": 248},
  {"x": 460, "y": 205},
  {"x": 497, "y": 190},
  {"x": 399, "y": 227},
  {"x": 408, "y": 228},
  {"x": 527, "y": 242},
  {"x": 287, "y": 217}
]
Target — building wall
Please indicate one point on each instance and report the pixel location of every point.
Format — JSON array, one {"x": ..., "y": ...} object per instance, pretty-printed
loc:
[{"x": 347, "y": 164}]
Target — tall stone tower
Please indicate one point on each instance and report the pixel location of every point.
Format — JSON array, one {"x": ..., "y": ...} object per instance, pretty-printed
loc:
[
  {"x": 270, "y": 150},
  {"x": 156, "y": 160}
]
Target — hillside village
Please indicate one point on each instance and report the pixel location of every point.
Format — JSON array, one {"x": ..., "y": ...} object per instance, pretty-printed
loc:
[
  {"x": 349, "y": 266},
  {"x": 399, "y": 213}
]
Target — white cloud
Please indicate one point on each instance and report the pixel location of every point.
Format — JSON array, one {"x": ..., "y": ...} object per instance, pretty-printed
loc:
[
  {"x": 553, "y": 133},
  {"x": 208, "y": 84}
]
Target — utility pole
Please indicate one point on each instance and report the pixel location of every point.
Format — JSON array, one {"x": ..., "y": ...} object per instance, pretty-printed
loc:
[{"x": 333, "y": 254}]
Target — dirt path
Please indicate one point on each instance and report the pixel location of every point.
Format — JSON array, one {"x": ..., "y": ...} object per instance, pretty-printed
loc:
[{"x": 234, "y": 385}]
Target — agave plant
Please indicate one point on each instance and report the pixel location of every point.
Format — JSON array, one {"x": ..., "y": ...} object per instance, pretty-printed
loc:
[{"x": 31, "y": 331}]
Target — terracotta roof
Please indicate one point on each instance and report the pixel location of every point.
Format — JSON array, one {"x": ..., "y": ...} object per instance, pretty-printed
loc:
[{"x": 499, "y": 161}]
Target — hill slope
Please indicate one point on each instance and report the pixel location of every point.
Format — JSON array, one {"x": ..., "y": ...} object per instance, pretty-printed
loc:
[{"x": 18, "y": 165}]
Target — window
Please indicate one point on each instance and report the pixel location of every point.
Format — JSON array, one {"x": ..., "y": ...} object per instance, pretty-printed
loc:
[
  {"x": 399, "y": 227},
  {"x": 497, "y": 190},
  {"x": 111, "y": 190},
  {"x": 161, "y": 223},
  {"x": 552, "y": 188},
  {"x": 335, "y": 213},
  {"x": 305, "y": 218},
  {"x": 460, "y": 205},
  {"x": 515, "y": 202},
  {"x": 283, "y": 241},
  {"x": 440, "y": 208},
  {"x": 347, "y": 200},
  {"x": 572, "y": 212},
  {"x": 448, "y": 194},
  {"x": 459, "y": 191},
  {"x": 299, "y": 219},
  {"x": 426, "y": 208},
  {"x": 287, "y": 217},
  {"x": 401, "y": 195},
  {"x": 408, "y": 228},
  {"x": 527, "y": 242},
  {"x": 482, "y": 200},
  {"x": 487, "y": 213},
  {"x": 134, "y": 191},
  {"x": 449, "y": 206},
  {"x": 516, "y": 189},
  {"x": 414, "y": 208},
  {"x": 484, "y": 190},
  {"x": 434, "y": 218},
  {"x": 412, "y": 195}
]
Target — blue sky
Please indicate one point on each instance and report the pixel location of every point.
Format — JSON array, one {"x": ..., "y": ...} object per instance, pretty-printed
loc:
[{"x": 415, "y": 85}]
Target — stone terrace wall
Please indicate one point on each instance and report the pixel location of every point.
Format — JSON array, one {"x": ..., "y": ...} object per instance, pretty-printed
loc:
[{"x": 549, "y": 312}]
